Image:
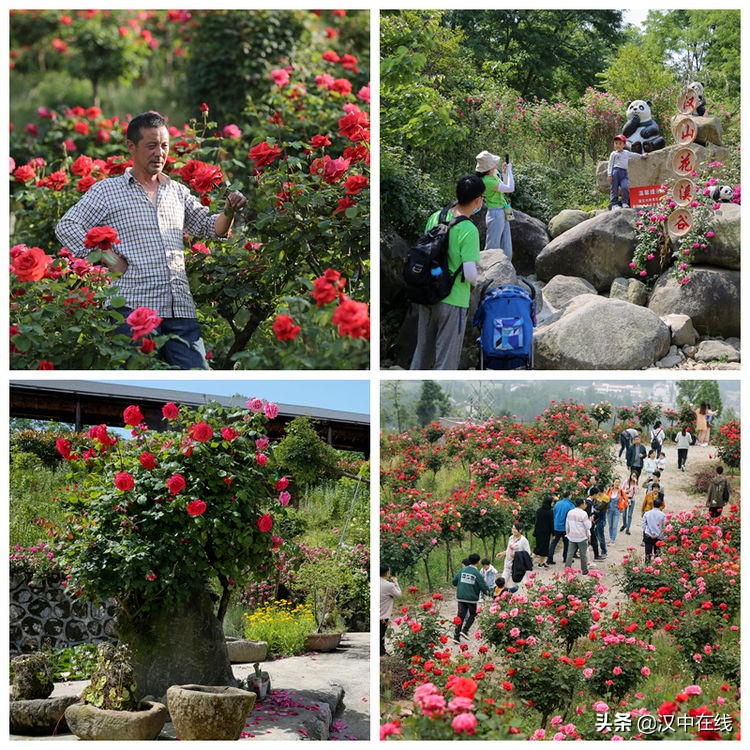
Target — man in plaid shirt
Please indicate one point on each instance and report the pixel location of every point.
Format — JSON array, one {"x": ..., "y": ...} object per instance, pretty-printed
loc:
[{"x": 151, "y": 213}]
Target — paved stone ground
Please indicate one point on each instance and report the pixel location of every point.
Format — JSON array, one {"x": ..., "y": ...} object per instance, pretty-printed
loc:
[{"x": 314, "y": 696}]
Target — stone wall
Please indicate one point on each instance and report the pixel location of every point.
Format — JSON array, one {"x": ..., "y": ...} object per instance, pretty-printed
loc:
[{"x": 44, "y": 616}]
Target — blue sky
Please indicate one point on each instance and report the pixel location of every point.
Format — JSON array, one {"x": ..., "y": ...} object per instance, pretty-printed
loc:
[{"x": 344, "y": 395}]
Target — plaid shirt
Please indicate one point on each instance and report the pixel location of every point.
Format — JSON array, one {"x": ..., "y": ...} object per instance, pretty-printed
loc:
[{"x": 151, "y": 238}]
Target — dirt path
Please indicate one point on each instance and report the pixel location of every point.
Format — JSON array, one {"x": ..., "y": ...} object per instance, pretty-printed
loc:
[{"x": 675, "y": 484}]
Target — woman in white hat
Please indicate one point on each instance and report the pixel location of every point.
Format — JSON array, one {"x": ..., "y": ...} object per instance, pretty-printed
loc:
[{"x": 498, "y": 228}]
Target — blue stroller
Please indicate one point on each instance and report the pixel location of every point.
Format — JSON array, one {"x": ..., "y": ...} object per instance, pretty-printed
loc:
[{"x": 506, "y": 317}]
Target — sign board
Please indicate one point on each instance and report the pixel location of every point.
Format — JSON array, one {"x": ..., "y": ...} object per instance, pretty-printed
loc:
[{"x": 645, "y": 195}]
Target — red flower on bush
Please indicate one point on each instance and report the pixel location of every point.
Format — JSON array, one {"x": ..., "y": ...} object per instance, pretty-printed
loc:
[
  {"x": 142, "y": 321},
  {"x": 101, "y": 238},
  {"x": 285, "y": 329},
  {"x": 335, "y": 169},
  {"x": 355, "y": 183},
  {"x": 265, "y": 523},
  {"x": 24, "y": 173},
  {"x": 147, "y": 346},
  {"x": 147, "y": 460},
  {"x": 282, "y": 483},
  {"x": 352, "y": 318},
  {"x": 318, "y": 141},
  {"x": 29, "y": 263},
  {"x": 355, "y": 125},
  {"x": 132, "y": 416},
  {"x": 229, "y": 433},
  {"x": 63, "y": 447},
  {"x": 196, "y": 507},
  {"x": 328, "y": 287},
  {"x": 264, "y": 153},
  {"x": 170, "y": 411},
  {"x": 176, "y": 484},
  {"x": 124, "y": 481},
  {"x": 201, "y": 431}
]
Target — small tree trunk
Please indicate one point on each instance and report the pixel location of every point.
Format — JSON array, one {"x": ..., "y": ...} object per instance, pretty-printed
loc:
[{"x": 427, "y": 573}]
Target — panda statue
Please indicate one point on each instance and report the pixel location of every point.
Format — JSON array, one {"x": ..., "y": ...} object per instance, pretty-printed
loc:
[
  {"x": 641, "y": 131},
  {"x": 722, "y": 193},
  {"x": 699, "y": 101}
]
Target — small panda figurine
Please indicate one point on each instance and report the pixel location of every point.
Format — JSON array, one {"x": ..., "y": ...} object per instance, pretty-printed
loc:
[
  {"x": 699, "y": 103},
  {"x": 723, "y": 193},
  {"x": 641, "y": 131}
]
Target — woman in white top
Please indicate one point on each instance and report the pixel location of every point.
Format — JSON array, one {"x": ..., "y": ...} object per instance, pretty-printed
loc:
[{"x": 516, "y": 543}]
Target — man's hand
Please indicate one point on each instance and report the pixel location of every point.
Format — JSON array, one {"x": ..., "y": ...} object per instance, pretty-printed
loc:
[
  {"x": 235, "y": 202},
  {"x": 116, "y": 263}
]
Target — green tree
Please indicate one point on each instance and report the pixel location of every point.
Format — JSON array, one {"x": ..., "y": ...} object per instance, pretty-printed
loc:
[
  {"x": 304, "y": 454},
  {"x": 393, "y": 412},
  {"x": 695, "y": 391},
  {"x": 433, "y": 402}
]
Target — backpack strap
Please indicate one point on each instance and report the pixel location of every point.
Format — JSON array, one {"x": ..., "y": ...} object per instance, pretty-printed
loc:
[{"x": 443, "y": 219}]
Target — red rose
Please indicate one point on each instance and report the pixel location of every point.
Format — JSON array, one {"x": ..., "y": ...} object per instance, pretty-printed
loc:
[
  {"x": 344, "y": 203},
  {"x": 147, "y": 460},
  {"x": 318, "y": 141},
  {"x": 85, "y": 183},
  {"x": 327, "y": 287},
  {"x": 229, "y": 433},
  {"x": 352, "y": 318},
  {"x": 170, "y": 411},
  {"x": 101, "y": 238},
  {"x": 282, "y": 484},
  {"x": 341, "y": 86},
  {"x": 176, "y": 484},
  {"x": 463, "y": 687},
  {"x": 83, "y": 166},
  {"x": 201, "y": 431},
  {"x": 142, "y": 321},
  {"x": 147, "y": 346},
  {"x": 264, "y": 153},
  {"x": 30, "y": 263},
  {"x": 132, "y": 416},
  {"x": 265, "y": 523},
  {"x": 355, "y": 126},
  {"x": 285, "y": 329},
  {"x": 124, "y": 481},
  {"x": 24, "y": 173},
  {"x": 334, "y": 169},
  {"x": 63, "y": 447},
  {"x": 356, "y": 182},
  {"x": 196, "y": 508}
]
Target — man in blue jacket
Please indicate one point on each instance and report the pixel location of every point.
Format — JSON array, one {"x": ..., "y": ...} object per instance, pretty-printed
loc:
[
  {"x": 560, "y": 512},
  {"x": 469, "y": 585}
]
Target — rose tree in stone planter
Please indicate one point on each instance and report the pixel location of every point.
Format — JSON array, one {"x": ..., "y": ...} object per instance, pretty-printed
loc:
[
  {"x": 109, "y": 710},
  {"x": 153, "y": 519}
]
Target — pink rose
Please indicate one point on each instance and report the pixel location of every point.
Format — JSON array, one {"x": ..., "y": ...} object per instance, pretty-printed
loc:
[
  {"x": 255, "y": 405},
  {"x": 464, "y": 723},
  {"x": 142, "y": 321},
  {"x": 271, "y": 410},
  {"x": 284, "y": 498}
]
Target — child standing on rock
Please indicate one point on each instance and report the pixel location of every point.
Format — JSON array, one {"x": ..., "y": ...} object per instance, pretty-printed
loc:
[{"x": 617, "y": 173}]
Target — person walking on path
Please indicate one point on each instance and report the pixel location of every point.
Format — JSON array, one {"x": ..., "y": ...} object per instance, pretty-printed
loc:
[
  {"x": 618, "y": 502},
  {"x": 498, "y": 228},
  {"x": 718, "y": 493},
  {"x": 151, "y": 214},
  {"x": 653, "y": 528},
  {"x": 684, "y": 440},
  {"x": 389, "y": 590},
  {"x": 626, "y": 440},
  {"x": 636, "y": 455},
  {"x": 630, "y": 488},
  {"x": 516, "y": 544},
  {"x": 559, "y": 512},
  {"x": 441, "y": 327},
  {"x": 601, "y": 508},
  {"x": 469, "y": 585},
  {"x": 577, "y": 531},
  {"x": 543, "y": 528},
  {"x": 657, "y": 437}
]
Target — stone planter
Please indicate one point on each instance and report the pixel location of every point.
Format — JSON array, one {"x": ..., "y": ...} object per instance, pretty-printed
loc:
[
  {"x": 40, "y": 716},
  {"x": 243, "y": 652},
  {"x": 209, "y": 712},
  {"x": 322, "y": 641},
  {"x": 91, "y": 723}
]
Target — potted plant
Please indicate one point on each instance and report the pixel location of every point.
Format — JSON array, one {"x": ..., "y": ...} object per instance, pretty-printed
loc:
[
  {"x": 323, "y": 581},
  {"x": 259, "y": 682},
  {"x": 209, "y": 712},
  {"x": 109, "y": 710}
]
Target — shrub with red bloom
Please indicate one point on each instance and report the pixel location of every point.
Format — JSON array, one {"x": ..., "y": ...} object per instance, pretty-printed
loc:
[
  {"x": 147, "y": 460},
  {"x": 328, "y": 287},
  {"x": 330, "y": 56},
  {"x": 341, "y": 86},
  {"x": 196, "y": 508},
  {"x": 352, "y": 318},
  {"x": 170, "y": 411},
  {"x": 82, "y": 166},
  {"x": 143, "y": 321},
  {"x": 355, "y": 125},
  {"x": 201, "y": 176},
  {"x": 334, "y": 169},
  {"x": 147, "y": 346},
  {"x": 201, "y": 432},
  {"x": 124, "y": 481},
  {"x": 265, "y": 523},
  {"x": 24, "y": 173},
  {"x": 29, "y": 263},
  {"x": 132, "y": 416},
  {"x": 318, "y": 141},
  {"x": 264, "y": 153},
  {"x": 85, "y": 183},
  {"x": 176, "y": 484},
  {"x": 285, "y": 329},
  {"x": 229, "y": 434},
  {"x": 355, "y": 183},
  {"x": 63, "y": 447},
  {"x": 101, "y": 238}
]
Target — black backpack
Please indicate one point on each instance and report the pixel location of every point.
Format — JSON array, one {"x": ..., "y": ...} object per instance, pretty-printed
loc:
[{"x": 426, "y": 273}]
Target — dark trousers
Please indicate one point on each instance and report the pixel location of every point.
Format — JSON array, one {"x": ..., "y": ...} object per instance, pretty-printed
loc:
[
  {"x": 681, "y": 457},
  {"x": 383, "y": 629},
  {"x": 624, "y": 445},
  {"x": 594, "y": 539},
  {"x": 715, "y": 512},
  {"x": 556, "y": 537},
  {"x": 650, "y": 544},
  {"x": 467, "y": 612},
  {"x": 636, "y": 469}
]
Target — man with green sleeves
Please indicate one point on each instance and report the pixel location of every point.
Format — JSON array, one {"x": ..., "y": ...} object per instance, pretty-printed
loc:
[
  {"x": 469, "y": 585},
  {"x": 441, "y": 327}
]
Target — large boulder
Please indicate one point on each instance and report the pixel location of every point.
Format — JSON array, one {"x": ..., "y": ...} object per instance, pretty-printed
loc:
[
  {"x": 629, "y": 290},
  {"x": 711, "y": 299},
  {"x": 657, "y": 168},
  {"x": 561, "y": 289},
  {"x": 393, "y": 252},
  {"x": 566, "y": 219},
  {"x": 595, "y": 333},
  {"x": 682, "y": 328},
  {"x": 599, "y": 250},
  {"x": 712, "y": 349},
  {"x": 529, "y": 236},
  {"x": 724, "y": 247}
]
